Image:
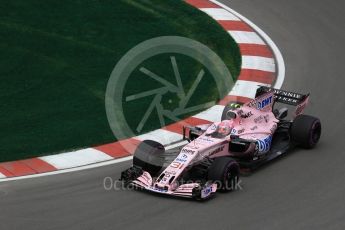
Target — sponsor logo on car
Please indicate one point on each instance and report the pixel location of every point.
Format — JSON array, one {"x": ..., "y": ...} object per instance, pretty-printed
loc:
[
  {"x": 262, "y": 101},
  {"x": 217, "y": 150},
  {"x": 158, "y": 189},
  {"x": 265, "y": 102},
  {"x": 205, "y": 139},
  {"x": 238, "y": 132},
  {"x": 260, "y": 118},
  {"x": 206, "y": 191},
  {"x": 182, "y": 160},
  {"x": 172, "y": 173},
  {"x": 254, "y": 128},
  {"x": 176, "y": 165},
  {"x": 188, "y": 151},
  {"x": 287, "y": 99},
  {"x": 287, "y": 94},
  {"x": 264, "y": 145},
  {"x": 245, "y": 115}
]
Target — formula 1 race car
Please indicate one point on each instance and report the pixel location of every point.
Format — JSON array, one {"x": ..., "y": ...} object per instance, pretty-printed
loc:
[{"x": 247, "y": 136}]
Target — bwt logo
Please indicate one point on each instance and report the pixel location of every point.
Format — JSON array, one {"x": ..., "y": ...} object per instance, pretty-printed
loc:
[{"x": 265, "y": 102}]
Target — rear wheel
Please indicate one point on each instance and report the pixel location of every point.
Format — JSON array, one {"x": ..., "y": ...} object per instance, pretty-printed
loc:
[
  {"x": 149, "y": 156},
  {"x": 225, "y": 172},
  {"x": 306, "y": 131}
]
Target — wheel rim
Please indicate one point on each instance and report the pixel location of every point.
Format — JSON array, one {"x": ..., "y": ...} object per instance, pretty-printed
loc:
[
  {"x": 316, "y": 132},
  {"x": 230, "y": 178}
]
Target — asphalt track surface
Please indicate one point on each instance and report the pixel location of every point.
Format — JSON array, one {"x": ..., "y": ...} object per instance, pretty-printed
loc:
[{"x": 303, "y": 190}]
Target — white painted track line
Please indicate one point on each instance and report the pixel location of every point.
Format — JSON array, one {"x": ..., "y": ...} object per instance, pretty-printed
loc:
[
  {"x": 244, "y": 37},
  {"x": 77, "y": 158},
  {"x": 220, "y": 14},
  {"x": 212, "y": 114},
  {"x": 2, "y": 176},
  {"x": 91, "y": 166},
  {"x": 258, "y": 63},
  {"x": 277, "y": 54},
  {"x": 162, "y": 136},
  {"x": 96, "y": 165}
]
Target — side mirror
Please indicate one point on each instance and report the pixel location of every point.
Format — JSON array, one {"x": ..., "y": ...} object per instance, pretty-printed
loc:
[{"x": 185, "y": 138}]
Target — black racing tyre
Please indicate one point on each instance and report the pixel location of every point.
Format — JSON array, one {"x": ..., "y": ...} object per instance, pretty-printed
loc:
[
  {"x": 149, "y": 156},
  {"x": 229, "y": 107},
  {"x": 225, "y": 172},
  {"x": 306, "y": 131}
]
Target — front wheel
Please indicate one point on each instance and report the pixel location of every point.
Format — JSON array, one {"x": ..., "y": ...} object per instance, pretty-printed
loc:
[
  {"x": 149, "y": 156},
  {"x": 306, "y": 131},
  {"x": 225, "y": 172}
]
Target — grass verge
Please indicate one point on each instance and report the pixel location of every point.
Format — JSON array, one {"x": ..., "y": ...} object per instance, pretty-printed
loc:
[{"x": 57, "y": 56}]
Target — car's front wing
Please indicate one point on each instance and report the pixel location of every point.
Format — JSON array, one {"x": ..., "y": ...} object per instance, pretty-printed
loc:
[{"x": 191, "y": 190}]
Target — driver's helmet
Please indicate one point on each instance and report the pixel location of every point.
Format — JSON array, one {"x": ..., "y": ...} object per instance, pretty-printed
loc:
[{"x": 224, "y": 128}]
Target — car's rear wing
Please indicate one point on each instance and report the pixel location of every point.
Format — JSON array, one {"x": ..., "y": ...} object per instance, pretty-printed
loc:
[{"x": 282, "y": 96}]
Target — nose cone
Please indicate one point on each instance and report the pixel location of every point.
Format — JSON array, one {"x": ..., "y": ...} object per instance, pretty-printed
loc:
[{"x": 168, "y": 177}]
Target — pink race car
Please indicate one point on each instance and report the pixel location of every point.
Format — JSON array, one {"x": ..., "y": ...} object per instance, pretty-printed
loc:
[{"x": 247, "y": 136}]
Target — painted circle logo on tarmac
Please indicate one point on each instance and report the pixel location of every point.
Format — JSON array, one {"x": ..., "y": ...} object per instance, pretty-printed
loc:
[{"x": 139, "y": 90}]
